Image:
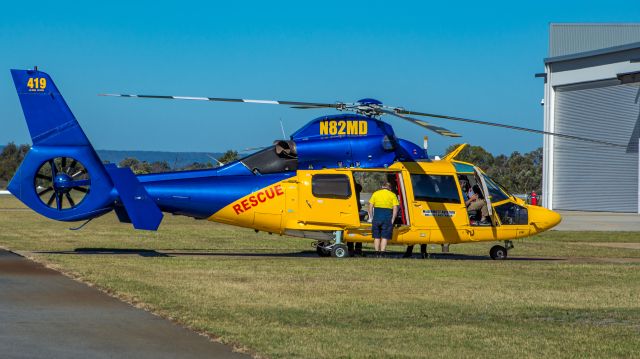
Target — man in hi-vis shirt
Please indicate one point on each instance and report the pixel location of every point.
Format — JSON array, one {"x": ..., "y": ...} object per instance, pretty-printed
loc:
[{"x": 383, "y": 209}]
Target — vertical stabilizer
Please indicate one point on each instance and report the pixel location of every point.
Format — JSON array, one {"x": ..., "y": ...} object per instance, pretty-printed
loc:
[{"x": 50, "y": 121}]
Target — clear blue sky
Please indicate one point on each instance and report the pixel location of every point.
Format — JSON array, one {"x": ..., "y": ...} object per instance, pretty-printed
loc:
[{"x": 463, "y": 58}]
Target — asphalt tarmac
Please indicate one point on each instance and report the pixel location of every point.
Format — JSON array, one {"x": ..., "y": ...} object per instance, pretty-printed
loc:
[
  {"x": 598, "y": 221},
  {"x": 44, "y": 314}
]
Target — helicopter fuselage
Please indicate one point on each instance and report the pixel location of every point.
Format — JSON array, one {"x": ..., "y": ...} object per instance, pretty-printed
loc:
[{"x": 298, "y": 203}]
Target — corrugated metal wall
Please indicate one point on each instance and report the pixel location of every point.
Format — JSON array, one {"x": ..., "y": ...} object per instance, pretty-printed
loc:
[
  {"x": 591, "y": 177},
  {"x": 565, "y": 39}
]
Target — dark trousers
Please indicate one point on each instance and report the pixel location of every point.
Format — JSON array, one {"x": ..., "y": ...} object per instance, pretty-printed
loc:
[
  {"x": 358, "y": 247},
  {"x": 409, "y": 252}
]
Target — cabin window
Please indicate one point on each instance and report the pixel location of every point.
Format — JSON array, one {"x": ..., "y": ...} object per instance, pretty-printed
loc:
[
  {"x": 331, "y": 186},
  {"x": 435, "y": 188},
  {"x": 511, "y": 214}
]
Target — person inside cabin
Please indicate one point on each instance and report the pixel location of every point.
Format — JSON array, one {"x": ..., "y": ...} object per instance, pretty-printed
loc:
[
  {"x": 357, "y": 251},
  {"x": 383, "y": 209},
  {"x": 477, "y": 204},
  {"x": 464, "y": 185}
]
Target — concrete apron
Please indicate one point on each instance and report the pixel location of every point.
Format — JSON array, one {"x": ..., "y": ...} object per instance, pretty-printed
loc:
[
  {"x": 44, "y": 314},
  {"x": 598, "y": 221}
]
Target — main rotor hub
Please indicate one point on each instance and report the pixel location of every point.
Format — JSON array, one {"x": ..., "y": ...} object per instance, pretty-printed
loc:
[{"x": 369, "y": 107}]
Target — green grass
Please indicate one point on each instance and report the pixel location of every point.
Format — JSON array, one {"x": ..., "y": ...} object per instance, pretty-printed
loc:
[{"x": 271, "y": 296}]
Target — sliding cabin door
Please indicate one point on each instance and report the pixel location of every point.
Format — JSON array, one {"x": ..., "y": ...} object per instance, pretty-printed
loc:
[
  {"x": 437, "y": 207},
  {"x": 327, "y": 198}
]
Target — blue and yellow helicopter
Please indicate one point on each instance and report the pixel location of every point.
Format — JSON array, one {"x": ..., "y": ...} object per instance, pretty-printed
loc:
[{"x": 304, "y": 186}]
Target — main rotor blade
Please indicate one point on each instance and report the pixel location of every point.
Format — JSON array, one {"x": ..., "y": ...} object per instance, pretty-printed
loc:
[
  {"x": 517, "y": 128},
  {"x": 437, "y": 129},
  {"x": 222, "y": 99}
]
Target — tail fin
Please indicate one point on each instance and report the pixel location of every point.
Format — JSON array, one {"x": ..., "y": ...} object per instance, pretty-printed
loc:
[
  {"x": 62, "y": 176},
  {"x": 49, "y": 119}
]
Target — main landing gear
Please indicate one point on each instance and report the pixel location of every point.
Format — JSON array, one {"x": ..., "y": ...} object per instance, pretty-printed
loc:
[
  {"x": 500, "y": 252},
  {"x": 337, "y": 249}
]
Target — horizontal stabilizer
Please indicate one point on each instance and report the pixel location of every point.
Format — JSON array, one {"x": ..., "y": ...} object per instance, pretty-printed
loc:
[{"x": 141, "y": 210}]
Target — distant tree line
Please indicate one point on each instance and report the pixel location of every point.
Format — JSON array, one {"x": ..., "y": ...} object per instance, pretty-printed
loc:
[
  {"x": 10, "y": 158},
  {"x": 144, "y": 167},
  {"x": 519, "y": 173}
]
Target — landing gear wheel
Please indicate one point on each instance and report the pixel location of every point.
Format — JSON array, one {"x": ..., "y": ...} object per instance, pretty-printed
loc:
[
  {"x": 321, "y": 250},
  {"x": 498, "y": 252},
  {"x": 339, "y": 251}
]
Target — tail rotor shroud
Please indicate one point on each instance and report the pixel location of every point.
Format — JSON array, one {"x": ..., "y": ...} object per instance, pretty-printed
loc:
[{"x": 62, "y": 183}]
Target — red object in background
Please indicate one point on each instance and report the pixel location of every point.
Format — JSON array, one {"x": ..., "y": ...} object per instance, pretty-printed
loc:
[{"x": 534, "y": 198}]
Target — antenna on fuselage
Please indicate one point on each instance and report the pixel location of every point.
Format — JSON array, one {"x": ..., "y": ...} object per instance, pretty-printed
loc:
[
  {"x": 284, "y": 136},
  {"x": 215, "y": 159}
]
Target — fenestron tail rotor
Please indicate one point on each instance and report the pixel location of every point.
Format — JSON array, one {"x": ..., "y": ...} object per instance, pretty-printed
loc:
[
  {"x": 62, "y": 183},
  {"x": 373, "y": 108}
]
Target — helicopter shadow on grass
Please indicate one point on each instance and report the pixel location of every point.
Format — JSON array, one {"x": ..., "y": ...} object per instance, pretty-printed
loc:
[
  {"x": 260, "y": 253},
  {"x": 179, "y": 253}
]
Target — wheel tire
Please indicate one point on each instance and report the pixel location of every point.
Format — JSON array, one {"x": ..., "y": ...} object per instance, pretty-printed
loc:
[
  {"x": 321, "y": 251},
  {"x": 498, "y": 252},
  {"x": 339, "y": 251}
]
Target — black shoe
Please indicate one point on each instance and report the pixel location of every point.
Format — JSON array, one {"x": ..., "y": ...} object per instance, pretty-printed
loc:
[
  {"x": 382, "y": 254},
  {"x": 359, "y": 254}
]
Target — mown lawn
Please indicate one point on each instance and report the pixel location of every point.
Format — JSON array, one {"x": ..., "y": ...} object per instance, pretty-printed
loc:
[{"x": 559, "y": 296}]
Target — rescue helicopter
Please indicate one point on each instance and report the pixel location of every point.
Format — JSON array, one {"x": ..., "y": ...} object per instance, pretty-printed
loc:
[{"x": 303, "y": 186}]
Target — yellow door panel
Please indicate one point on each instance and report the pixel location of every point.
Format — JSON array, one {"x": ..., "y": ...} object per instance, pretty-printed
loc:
[
  {"x": 436, "y": 206},
  {"x": 326, "y": 197}
]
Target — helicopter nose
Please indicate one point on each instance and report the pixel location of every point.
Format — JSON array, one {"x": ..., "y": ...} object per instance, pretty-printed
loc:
[{"x": 542, "y": 219}]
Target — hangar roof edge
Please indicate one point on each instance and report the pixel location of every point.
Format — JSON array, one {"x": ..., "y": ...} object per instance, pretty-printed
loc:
[{"x": 580, "y": 55}]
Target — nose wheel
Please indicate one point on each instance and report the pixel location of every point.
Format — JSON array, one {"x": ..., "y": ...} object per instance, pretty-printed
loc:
[{"x": 499, "y": 252}]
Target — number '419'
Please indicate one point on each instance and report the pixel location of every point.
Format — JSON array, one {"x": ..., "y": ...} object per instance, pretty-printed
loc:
[{"x": 37, "y": 83}]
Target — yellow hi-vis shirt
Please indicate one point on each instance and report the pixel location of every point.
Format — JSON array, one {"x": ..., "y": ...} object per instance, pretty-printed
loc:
[{"x": 384, "y": 198}]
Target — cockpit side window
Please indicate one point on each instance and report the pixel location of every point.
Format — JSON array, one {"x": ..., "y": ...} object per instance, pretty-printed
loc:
[{"x": 512, "y": 214}]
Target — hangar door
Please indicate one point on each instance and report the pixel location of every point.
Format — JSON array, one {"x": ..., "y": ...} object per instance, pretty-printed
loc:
[{"x": 593, "y": 177}]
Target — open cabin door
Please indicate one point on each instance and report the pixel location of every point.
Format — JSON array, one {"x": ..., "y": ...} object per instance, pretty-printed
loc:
[
  {"x": 437, "y": 208},
  {"x": 327, "y": 198},
  {"x": 485, "y": 191}
]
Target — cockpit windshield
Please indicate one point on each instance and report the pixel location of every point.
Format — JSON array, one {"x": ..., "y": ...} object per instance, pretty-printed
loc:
[{"x": 496, "y": 192}]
